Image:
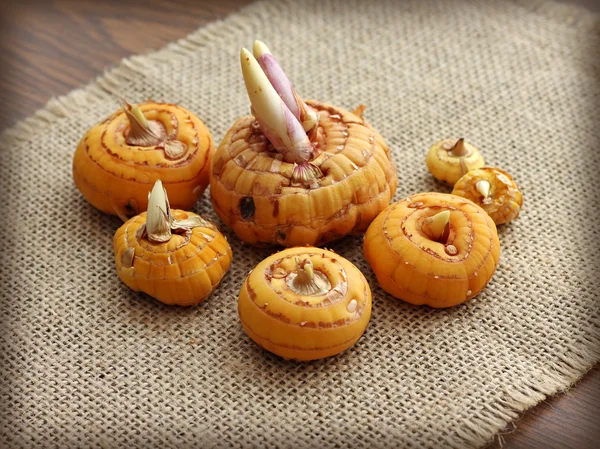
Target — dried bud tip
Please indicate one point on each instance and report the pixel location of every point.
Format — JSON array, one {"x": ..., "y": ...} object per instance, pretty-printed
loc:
[
  {"x": 158, "y": 226},
  {"x": 306, "y": 175},
  {"x": 142, "y": 132},
  {"x": 174, "y": 149},
  {"x": 460, "y": 149},
  {"x": 134, "y": 111},
  {"x": 127, "y": 257},
  {"x": 305, "y": 281}
]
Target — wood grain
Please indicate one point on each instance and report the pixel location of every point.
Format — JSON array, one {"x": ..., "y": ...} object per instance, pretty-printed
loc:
[
  {"x": 47, "y": 48},
  {"x": 50, "y": 48},
  {"x": 570, "y": 420}
]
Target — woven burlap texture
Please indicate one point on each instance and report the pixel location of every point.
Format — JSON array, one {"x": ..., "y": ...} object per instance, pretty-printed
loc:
[{"x": 86, "y": 362}]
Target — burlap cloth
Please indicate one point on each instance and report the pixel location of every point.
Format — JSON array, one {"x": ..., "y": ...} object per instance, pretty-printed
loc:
[{"x": 87, "y": 362}]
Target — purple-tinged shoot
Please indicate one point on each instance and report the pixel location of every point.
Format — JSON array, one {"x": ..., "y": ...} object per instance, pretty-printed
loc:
[
  {"x": 275, "y": 119},
  {"x": 283, "y": 86}
]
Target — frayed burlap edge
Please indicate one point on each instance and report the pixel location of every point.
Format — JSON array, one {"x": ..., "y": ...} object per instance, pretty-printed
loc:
[
  {"x": 563, "y": 13},
  {"x": 495, "y": 418},
  {"x": 107, "y": 85},
  {"x": 568, "y": 370}
]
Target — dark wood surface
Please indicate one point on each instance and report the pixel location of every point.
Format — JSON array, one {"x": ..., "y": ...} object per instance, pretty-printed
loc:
[{"x": 47, "y": 48}]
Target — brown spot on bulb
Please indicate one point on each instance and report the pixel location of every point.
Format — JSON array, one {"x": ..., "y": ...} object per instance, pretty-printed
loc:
[{"x": 247, "y": 208}]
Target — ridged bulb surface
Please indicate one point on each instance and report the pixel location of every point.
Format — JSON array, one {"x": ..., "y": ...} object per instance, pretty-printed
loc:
[
  {"x": 501, "y": 199},
  {"x": 116, "y": 177},
  {"x": 255, "y": 193},
  {"x": 183, "y": 271},
  {"x": 303, "y": 326},
  {"x": 447, "y": 166},
  {"x": 412, "y": 266}
]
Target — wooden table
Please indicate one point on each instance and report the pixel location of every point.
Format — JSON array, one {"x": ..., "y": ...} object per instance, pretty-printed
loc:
[{"x": 49, "y": 48}]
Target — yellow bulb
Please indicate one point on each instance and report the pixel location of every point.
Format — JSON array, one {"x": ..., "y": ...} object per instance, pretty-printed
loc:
[{"x": 305, "y": 313}]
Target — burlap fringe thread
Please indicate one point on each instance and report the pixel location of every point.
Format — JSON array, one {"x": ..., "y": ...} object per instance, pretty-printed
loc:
[{"x": 107, "y": 85}]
